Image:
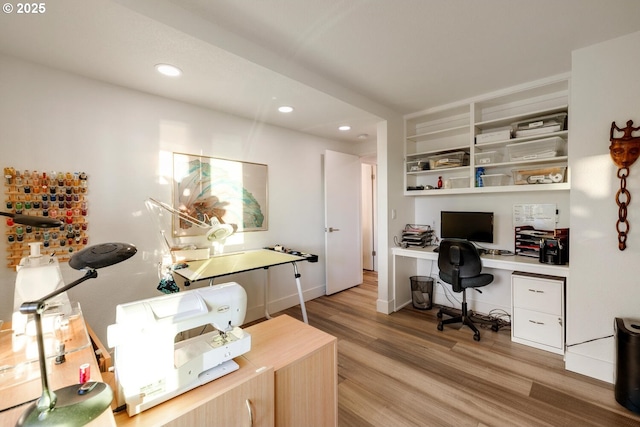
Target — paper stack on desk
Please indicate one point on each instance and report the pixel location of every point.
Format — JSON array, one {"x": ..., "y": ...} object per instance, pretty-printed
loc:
[{"x": 417, "y": 235}]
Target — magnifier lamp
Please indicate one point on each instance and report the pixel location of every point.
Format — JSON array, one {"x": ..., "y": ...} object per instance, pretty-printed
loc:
[
  {"x": 215, "y": 230},
  {"x": 66, "y": 406}
]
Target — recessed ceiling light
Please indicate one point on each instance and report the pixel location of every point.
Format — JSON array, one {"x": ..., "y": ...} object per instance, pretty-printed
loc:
[
  {"x": 168, "y": 70},
  {"x": 363, "y": 136},
  {"x": 285, "y": 109},
  {"x": 344, "y": 127}
]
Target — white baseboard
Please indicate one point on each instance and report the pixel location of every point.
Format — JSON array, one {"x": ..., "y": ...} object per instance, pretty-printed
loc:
[
  {"x": 384, "y": 307},
  {"x": 595, "y": 368}
]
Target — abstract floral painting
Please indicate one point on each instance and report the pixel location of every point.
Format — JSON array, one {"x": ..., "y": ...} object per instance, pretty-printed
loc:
[{"x": 230, "y": 191}]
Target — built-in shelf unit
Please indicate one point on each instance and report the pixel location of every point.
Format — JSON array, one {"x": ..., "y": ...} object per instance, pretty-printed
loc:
[{"x": 515, "y": 139}]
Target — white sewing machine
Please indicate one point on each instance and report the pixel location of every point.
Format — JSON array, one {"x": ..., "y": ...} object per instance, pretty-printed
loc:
[{"x": 151, "y": 367}]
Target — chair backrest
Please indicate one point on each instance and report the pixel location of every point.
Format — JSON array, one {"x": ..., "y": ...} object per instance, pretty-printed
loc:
[{"x": 458, "y": 259}]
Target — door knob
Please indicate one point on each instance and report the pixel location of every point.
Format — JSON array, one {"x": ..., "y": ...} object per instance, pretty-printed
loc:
[{"x": 331, "y": 229}]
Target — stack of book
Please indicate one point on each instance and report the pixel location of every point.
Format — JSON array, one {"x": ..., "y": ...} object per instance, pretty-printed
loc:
[{"x": 417, "y": 235}]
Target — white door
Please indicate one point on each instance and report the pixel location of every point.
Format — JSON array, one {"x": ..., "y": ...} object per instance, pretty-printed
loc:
[{"x": 343, "y": 242}]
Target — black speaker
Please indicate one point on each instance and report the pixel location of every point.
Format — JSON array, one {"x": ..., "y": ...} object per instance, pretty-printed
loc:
[{"x": 627, "y": 379}]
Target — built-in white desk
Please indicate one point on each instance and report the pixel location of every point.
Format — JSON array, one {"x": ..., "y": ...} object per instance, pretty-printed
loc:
[{"x": 501, "y": 262}]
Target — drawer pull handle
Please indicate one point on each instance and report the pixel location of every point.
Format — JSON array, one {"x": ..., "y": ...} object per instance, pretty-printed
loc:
[
  {"x": 536, "y": 291},
  {"x": 536, "y": 323},
  {"x": 250, "y": 409}
]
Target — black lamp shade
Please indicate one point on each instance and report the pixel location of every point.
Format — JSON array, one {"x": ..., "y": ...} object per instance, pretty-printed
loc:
[{"x": 103, "y": 255}]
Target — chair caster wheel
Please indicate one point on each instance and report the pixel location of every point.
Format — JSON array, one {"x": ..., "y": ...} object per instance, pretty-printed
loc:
[
  {"x": 439, "y": 315},
  {"x": 495, "y": 328},
  {"x": 440, "y": 327},
  {"x": 476, "y": 337}
]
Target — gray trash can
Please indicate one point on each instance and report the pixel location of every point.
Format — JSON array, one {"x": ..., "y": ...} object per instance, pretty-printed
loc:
[
  {"x": 627, "y": 380},
  {"x": 422, "y": 292}
]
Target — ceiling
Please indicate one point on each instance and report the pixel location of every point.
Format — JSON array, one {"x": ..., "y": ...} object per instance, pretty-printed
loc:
[{"x": 335, "y": 61}]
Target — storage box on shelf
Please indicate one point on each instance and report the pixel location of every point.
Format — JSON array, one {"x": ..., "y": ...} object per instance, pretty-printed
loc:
[
  {"x": 448, "y": 160},
  {"x": 484, "y": 128},
  {"x": 492, "y": 135},
  {"x": 418, "y": 165},
  {"x": 540, "y": 125},
  {"x": 456, "y": 182},
  {"x": 537, "y": 149},
  {"x": 495, "y": 180},
  {"x": 539, "y": 175},
  {"x": 484, "y": 158}
]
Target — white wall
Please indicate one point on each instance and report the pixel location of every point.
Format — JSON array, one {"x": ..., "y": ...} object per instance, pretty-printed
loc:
[
  {"x": 50, "y": 120},
  {"x": 604, "y": 280},
  {"x": 394, "y": 209}
]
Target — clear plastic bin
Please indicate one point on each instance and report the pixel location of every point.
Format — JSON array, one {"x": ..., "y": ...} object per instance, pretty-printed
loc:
[
  {"x": 495, "y": 180},
  {"x": 488, "y": 157},
  {"x": 417, "y": 165},
  {"x": 449, "y": 160},
  {"x": 540, "y": 125},
  {"x": 457, "y": 182},
  {"x": 493, "y": 135},
  {"x": 539, "y": 175},
  {"x": 539, "y": 149}
]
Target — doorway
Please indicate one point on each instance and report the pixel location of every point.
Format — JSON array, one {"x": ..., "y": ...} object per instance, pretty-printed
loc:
[{"x": 369, "y": 217}]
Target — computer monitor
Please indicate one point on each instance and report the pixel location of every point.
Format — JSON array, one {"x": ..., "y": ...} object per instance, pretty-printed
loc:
[{"x": 474, "y": 226}]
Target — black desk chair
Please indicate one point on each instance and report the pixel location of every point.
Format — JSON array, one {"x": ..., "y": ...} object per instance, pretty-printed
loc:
[{"x": 460, "y": 266}]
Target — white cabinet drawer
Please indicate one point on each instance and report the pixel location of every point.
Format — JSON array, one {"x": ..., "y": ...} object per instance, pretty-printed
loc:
[
  {"x": 535, "y": 293},
  {"x": 541, "y": 328}
]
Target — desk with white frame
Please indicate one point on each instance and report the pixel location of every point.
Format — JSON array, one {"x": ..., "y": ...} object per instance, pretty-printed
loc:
[{"x": 547, "y": 294}]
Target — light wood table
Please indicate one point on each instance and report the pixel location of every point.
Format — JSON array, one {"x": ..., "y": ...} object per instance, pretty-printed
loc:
[
  {"x": 305, "y": 362},
  {"x": 20, "y": 379}
]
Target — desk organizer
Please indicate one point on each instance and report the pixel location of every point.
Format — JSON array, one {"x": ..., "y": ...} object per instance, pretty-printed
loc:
[{"x": 527, "y": 239}]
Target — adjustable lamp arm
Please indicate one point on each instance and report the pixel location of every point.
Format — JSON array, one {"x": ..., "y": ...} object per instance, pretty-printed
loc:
[
  {"x": 40, "y": 305},
  {"x": 179, "y": 214},
  {"x": 216, "y": 230}
]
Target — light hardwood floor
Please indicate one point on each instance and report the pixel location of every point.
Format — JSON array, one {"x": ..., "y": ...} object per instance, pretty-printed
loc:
[{"x": 399, "y": 370}]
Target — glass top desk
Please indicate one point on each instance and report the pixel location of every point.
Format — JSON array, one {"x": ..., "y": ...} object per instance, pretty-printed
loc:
[{"x": 238, "y": 262}]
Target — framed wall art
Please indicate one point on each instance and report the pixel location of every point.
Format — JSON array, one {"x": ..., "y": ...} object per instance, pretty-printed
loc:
[{"x": 233, "y": 192}]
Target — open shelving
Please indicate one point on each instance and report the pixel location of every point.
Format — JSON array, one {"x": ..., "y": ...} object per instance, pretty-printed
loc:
[{"x": 453, "y": 128}]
